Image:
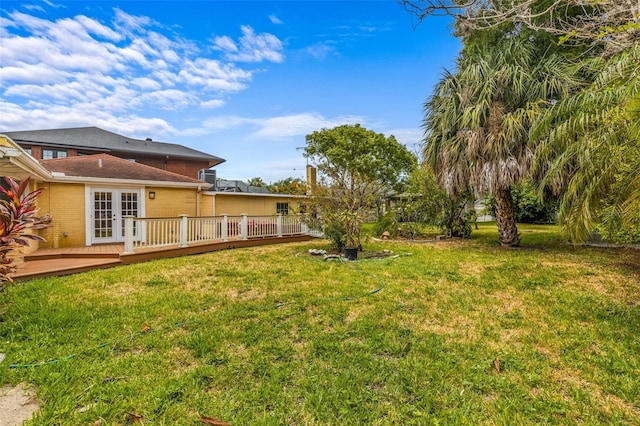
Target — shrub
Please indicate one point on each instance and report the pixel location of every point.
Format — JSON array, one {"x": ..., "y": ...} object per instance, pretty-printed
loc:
[
  {"x": 527, "y": 204},
  {"x": 17, "y": 217}
]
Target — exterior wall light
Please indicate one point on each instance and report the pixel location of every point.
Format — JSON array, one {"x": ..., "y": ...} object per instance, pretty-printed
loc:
[{"x": 152, "y": 195}]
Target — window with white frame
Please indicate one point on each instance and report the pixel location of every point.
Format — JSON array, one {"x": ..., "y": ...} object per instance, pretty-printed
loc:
[
  {"x": 282, "y": 208},
  {"x": 53, "y": 153}
]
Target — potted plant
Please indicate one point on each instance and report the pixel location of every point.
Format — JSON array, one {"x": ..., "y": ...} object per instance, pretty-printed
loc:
[{"x": 351, "y": 223}]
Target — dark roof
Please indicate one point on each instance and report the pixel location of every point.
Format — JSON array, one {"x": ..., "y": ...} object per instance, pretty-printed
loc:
[
  {"x": 109, "y": 167},
  {"x": 99, "y": 139}
]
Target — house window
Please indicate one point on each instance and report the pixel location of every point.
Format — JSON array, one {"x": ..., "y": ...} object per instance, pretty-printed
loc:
[
  {"x": 53, "y": 153},
  {"x": 27, "y": 150},
  {"x": 282, "y": 208}
]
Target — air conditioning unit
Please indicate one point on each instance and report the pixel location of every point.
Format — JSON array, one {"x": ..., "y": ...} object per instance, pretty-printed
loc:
[{"x": 209, "y": 176}]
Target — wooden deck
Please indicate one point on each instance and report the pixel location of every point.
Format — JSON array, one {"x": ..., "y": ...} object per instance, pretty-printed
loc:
[{"x": 66, "y": 261}]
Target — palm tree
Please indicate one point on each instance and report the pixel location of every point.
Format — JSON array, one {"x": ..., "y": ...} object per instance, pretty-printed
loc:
[
  {"x": 478, "y": 120},
  {"x": 591, "y": 148}
]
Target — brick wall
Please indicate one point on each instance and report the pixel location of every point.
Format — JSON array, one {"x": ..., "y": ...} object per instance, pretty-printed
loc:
[{"x": 65, "y": 204}]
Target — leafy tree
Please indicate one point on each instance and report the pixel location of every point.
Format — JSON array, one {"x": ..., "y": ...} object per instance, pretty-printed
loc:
[
  {"x": 355, "y": 166},
  {"x": 591, "y": 147},
  {"x": 529, "y": 208},
  {"x": 428, "y": 204},
  {"x": 17, "y": 218},
  {"x": 257, "y": 181},
  {"x": 478, "y": 119},
  {"x": 289, "y": 185},
  {"x": 589, "y": 153},
  {"x": 613, "y": 23}
]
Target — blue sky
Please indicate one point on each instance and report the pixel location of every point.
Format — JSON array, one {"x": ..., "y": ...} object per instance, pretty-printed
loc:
[{"x": 242, "y": 80}]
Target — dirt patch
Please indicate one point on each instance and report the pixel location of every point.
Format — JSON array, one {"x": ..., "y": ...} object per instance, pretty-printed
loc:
[{"x": 17, "y": 404}]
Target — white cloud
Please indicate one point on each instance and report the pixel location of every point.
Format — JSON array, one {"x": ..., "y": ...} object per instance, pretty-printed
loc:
[
  {"x": 276, "y": 128},
  {"x": 321, "y": 50},
  {"x": 213, "y": 103},
  {"x": 34, "y": 7},
  {"x": 131, "y": 23},
  {"x": 39, "y": 118},
  {"x": 298, "y": 125},
  {"x": 77, "y": 70},
  {"x": 146, "y": 83},
  {"x": 225, "y": 43},
  {"x": 275, "y": 20},
  {"x": 253, "y": 47}
]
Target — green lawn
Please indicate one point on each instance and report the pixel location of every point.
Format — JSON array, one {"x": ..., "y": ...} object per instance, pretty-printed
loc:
[{"x": 459, "y": 332}]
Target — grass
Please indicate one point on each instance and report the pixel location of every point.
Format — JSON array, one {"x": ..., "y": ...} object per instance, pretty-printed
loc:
[{"x": 462, "y": 332}]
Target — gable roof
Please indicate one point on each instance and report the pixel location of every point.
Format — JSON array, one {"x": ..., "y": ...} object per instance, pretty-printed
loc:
[
  {"x": 105, "y": 166},
  {"x": 94, "y": 138}
]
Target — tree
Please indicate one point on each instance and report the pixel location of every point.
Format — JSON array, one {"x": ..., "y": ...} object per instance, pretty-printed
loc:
[
  {"x": 17, "y": 218},
  {"x": 612, "y": 23},
  {"x": 355, "y": 167},
  {"x": 591, "y": 147},
  {"x": 478, "y": 120},
  {"x": 289, "y": 185},
  {"x": 257, "y": 181},
  {"x": 589, "y": 153},
  {"x": 427, "y": 203},
  {"x": 529, "y": 207}
]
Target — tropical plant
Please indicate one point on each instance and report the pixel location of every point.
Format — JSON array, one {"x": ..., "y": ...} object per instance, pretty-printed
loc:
[
  {"x": 591, "y": 146},
  {"x": 529, "y": 207},
  {"x": 17, "y": 220},
  {"x": 477, "y": 121},
  {"x": 257, "y": 181},
  {"x": 289, "y": 185},
  {"x": 612, "y": 23},
  {"x": 356, "y": 166},
  {"x": 424, "y": 202}
]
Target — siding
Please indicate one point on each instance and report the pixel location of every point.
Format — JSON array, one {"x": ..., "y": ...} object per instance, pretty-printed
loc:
[{"x": 253, "y": 205}]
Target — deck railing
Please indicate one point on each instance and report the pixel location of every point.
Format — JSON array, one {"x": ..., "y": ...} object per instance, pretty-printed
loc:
[{"x": 183, "y": 231}]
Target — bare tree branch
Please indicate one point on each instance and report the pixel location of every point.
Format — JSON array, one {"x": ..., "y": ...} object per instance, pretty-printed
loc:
[{"x": 615, "y": 23}]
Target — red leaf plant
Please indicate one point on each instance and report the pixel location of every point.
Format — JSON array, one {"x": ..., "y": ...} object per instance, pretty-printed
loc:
[{"x": 18, "y": 211}]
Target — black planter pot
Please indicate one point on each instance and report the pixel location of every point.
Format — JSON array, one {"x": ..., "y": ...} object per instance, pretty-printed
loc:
[{"x": 351, "y": 253}]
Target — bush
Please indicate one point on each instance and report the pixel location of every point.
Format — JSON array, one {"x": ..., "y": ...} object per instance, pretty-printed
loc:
[
  {"x": 614, "y": 229},
  {"x": 17, "y": 218},
  {"x": 527, "y": 204}
]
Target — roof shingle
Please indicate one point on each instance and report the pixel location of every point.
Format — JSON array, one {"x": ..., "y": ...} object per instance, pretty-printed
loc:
[
  {"x": 96, "y": 138},
  {"x": 109, "y": 167}
]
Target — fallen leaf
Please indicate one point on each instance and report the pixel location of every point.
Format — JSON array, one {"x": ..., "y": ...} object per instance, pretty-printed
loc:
[
  {"x": 137, "y": 418},
  {"x": 496, "y": 364},
  {"x": 145, "y": 328},
  {"x": 212, "y": 421}
]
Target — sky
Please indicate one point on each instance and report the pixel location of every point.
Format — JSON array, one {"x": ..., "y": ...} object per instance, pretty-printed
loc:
[{"x": 241, "y": 80}]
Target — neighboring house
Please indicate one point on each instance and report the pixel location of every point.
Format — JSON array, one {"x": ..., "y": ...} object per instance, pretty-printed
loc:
[
  {"x": 87, "y": 196},
  {"x": 63, "y": 143}
]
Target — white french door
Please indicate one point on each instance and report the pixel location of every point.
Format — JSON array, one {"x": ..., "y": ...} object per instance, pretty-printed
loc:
[{"x": 109, "y": 207}]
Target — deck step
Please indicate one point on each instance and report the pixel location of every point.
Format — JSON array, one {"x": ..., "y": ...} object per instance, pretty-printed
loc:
[
  {"x": 61, "y": 266},
  {"x": 48, "y": 256}
]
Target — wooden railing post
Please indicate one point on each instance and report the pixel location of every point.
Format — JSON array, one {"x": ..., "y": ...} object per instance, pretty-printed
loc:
[
  {"x": 128, "y": 234},
  {"x": 279, "y": 225},
  {"x": 303, "y": 226},
  {"x": 225, "y": 228},
  {"x": 184, "y": 226},
  {"x": 244, "y": 227}
]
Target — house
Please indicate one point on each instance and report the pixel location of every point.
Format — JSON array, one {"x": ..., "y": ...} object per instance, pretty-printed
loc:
[
  {"x": 81, "y": 141},
  {"x": 87, "y": 193}
]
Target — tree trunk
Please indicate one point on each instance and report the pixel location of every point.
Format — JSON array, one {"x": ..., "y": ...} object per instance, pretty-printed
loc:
[{"x": 506, "y": 218}]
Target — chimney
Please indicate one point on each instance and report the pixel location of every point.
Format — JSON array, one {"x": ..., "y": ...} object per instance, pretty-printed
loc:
[{"x": 311, "y": 180}]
